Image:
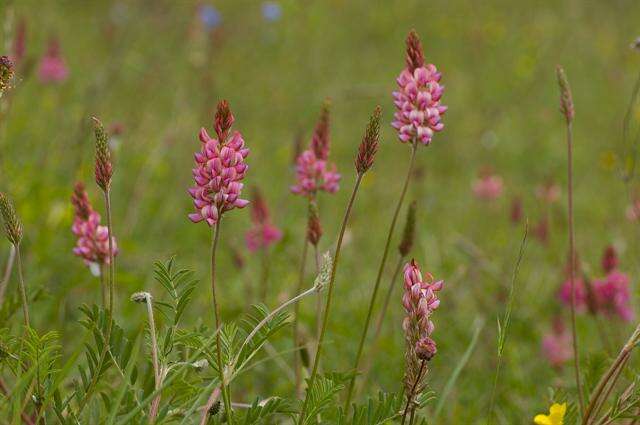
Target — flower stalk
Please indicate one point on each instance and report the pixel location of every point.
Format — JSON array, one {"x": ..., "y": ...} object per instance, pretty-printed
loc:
[{"x": 567, "y": 109}]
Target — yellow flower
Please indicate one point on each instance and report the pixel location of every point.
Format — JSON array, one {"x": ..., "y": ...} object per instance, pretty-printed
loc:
[{"x": 555, "y": 416}]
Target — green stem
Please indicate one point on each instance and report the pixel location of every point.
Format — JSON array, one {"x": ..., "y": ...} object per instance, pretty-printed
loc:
[
  {"x": 23, "y": 289},
  {"x": 412, "y": 393},
  {"x": 327, "y": 308},
  {"x": 216, "y": 311},
  {"x": 572, "y": 266},
  {"x": 363, "y": 337},
  {"x": 296, "y": 320}
]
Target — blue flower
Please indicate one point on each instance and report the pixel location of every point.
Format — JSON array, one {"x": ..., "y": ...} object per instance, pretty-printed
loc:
[
  {"x": 210, "y": 16},
  {"x": 271, "y": 11}
]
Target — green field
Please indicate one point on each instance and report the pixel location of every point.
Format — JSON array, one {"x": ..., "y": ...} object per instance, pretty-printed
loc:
[{"x": 153, "y": 68}]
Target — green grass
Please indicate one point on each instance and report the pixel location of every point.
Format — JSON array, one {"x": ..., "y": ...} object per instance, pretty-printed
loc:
[{"x": 149, "y": 66}]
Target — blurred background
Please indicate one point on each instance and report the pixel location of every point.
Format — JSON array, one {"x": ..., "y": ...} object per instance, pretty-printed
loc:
[{"x": 153, "y": 71}]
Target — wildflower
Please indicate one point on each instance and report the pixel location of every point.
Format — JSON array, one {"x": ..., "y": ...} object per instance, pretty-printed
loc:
[
  {"x": 219, "y": 171},
  {"x": 314, "y": 172},
  {"x": 369, "y": 145},
  {"x": 419, "y": 301},
  {"x": 516, "y": 210},
  {"x": 613, "y": 296},
  {"x": 103, "y": 166},
  {"x": 209, "y": 16},
  {"x": 581, "y": 291},
  {"x": 53, "y": 68},
  {"x": 633, "y": 211},
  {"x": 12, "y": 224},
  {"x": 609, "y": 259},
  {"x": 566, "y": 101},
  {"x": 263, "y": 233},
  {"x": 556, "y": 344},
  {"x": 487, "y": 186},
  {"x": 6, "y": 74},
  {"x": 271, "y": 11},
  {"x": 548, "y": 192},
  {"x": 418, "y": 108},
  {"x": 555, "y": 416},
  {"x": 93, "y": 239}
]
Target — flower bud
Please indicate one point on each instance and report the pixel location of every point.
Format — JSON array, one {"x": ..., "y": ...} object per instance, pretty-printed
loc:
[
  {"x": 415, "y": 55},
  {"x": 12, "y": 224},
  {"x": 408, "y": 234},
  {"x": 369, "y": 145},
  {"x": 314, "y": 227},
  {"x": 104, "y": 168},
  {"x": 566, "y": 100}
]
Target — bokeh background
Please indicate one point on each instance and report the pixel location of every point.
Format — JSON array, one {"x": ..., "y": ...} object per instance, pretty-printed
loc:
[{"x": 153, "y": 72}]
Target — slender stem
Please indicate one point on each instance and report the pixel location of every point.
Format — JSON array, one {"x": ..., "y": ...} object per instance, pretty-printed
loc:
[
  {"x": 380, "y": 322},
  {"x": 7, "y": 273},
  {"x": 327, "y": 307},
  {"x": 103, "y": 286},
  {"x": 611, "y": 384},
  {"x": 107, "y": 336},
  {"x": 154, "y": 358},
  {"x": 316, "y": 255},
  {"x": 23, "y": 289},
  {"x": 610, "y": 373},
  {"x": 216, "y": 311},
  {"x": 572, "y": 266},
  {"x": 372, "y": 302},
  {"x": 215, "y": 395},
  {"x": 296, "y": 320},
  {"x": 413, "y": 390}
]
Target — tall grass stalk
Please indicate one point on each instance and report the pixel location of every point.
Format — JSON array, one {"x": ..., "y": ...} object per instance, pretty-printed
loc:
[
  {"x": 327, "y": 307},
  {"x": 503, "y": 326},
  {"x": 385, "y": 253},
  {"x": 7, "y": 273}
]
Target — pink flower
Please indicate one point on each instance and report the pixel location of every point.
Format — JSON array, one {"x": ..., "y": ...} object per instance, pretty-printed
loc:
[
  {"x": 556, "y": 345},
  {"x": 263, "y": 233},
  {"x": 548, "y": 192},
  {"x": 219, "y": 171},
  {"x": 420, "y": 300},
  {"x": 53, "y": 68},
  {"x": 488, "y": 187},
  {"x": 633, "y": 211},
  {"x": 315, "y": 174},
  {"x": 613, "y": 296},
  {"x": 418, "y": 108},
  {"x": 93, "y": 239},
  {"x": 582, "y": 294}
]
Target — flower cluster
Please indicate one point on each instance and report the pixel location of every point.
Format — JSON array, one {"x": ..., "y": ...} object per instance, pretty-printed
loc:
[
  {"x": 556, "y": 345},
  {"x": 314, "y": 172},
  {"x": 487, "y": 186},
  {"x": 219, "y": 171},
  {"x": 418, "y": 109},
  {"x": 419, "y": 301},
  {"x": 53, "y": 68},
  {"x": 610, "y": 295},
  {"x": 93, "y": 239},
  {"x": 263, "y": 233}
]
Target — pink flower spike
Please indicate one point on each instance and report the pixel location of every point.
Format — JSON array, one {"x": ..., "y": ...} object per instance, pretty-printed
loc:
[
  {"x": 488, "y": 187},
  {"x": 219, "y": 171},
  {"x": 418, "y": 108},
  {"x": 263, "y": 233},
  {"x": 556, "y": 345},
  {"x": 93, "y": 239},
  {"x": 53, "y": 68}
]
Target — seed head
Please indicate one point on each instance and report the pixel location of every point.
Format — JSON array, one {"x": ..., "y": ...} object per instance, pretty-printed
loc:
[
  {"x": 408, "y": 234},
  {"x": 325, "y": 272},
  {"x": 6, "y": 73},
  {"x": 141, "y": 297},
  {"x": 314, "y": 227},
  {"x": 104, "y": 168},
  {"x": 215, "y": 408},
  {"x": 12, "y": 224},
  {"x": 415, "y": 55},
  {"x": 223, "y": 120},
  {"x": 320, "y": 139},
  {"x": 369, "y": 145},
  {"x": 566, "y": 100}
]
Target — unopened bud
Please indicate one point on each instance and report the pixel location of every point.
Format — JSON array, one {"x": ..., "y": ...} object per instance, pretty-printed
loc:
[
  {"x": 408, "y": 234},
  {"x": 566, "y": 100},
  {"x": 12, "y": 224}
]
